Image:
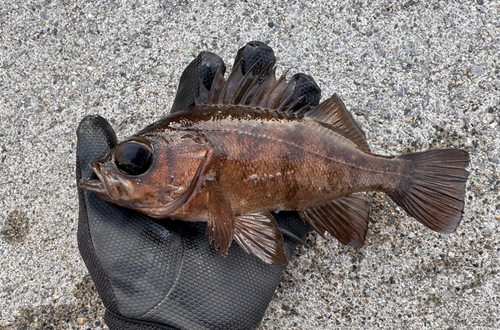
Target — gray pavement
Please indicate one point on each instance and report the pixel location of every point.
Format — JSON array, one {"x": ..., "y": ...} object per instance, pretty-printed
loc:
[{"x": 416, "y": 75}]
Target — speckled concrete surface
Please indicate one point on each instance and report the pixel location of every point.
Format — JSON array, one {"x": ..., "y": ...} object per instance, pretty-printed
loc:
[{"x": 416, "y": 74}]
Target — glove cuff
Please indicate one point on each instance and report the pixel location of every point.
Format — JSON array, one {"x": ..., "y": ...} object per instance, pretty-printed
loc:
[{"x": 118, "y": 322}]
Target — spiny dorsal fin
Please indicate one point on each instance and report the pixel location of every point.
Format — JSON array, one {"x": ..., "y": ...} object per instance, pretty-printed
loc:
[
  {"x": 258, "y": 88},
  {"x": 334, "y": 113},
  {"x": 346, "y": 219}
]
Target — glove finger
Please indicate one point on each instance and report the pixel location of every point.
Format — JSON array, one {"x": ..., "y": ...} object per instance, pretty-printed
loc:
[
  {"x": 255, "y": 51},
  {"x": 293, "y": 229},
  {"x": 95, "y": 138},
  {"x": 306, "y": 88},
  {"x": 201, "y": 70}
]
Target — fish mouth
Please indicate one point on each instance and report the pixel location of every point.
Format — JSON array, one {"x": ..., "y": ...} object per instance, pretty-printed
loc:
[
  {"x": 108, "y": 186},
  {"x": 96, "y": 186}
]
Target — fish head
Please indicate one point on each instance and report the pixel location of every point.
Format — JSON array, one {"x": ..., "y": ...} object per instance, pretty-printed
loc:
[{"x": 137, "y": 174}]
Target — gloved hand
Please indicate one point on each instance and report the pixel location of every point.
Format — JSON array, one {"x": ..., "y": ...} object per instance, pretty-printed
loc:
[{"x": 164, "y": 274}]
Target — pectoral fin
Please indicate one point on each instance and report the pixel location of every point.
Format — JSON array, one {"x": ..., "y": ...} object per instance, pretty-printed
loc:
[
  {"x": 220, "y": 226},
  {"x": 346, "y": 219},
  {"x": 259, "y": 234}
]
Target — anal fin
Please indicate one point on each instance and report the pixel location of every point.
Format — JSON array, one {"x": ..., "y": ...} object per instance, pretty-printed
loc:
[
  {"x": 259, "y": 234},
  {"x": 220, "y": 226},
  {"x": 346, "y": 219}
]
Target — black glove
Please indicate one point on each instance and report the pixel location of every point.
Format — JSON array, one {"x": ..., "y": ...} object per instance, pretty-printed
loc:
[{"x": 164, "y": 274}]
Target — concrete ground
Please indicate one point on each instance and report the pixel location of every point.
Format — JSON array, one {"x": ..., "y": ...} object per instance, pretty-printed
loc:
[{"x": 416, "y": 75}]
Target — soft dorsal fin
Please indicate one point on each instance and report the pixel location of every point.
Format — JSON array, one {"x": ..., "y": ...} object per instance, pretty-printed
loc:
[
  {"x": 334, "y": 113},
  {"x": 258, "y": 88}
]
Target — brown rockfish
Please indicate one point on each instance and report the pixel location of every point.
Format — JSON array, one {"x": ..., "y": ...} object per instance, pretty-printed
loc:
[{"x": 249, "y": 146}]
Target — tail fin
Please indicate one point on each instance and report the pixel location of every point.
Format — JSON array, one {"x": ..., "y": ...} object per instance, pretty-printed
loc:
[{"x": 434, "y": 189}]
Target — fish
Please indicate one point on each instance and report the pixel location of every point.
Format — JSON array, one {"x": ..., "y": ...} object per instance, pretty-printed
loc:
[{"x": 251, "y": 145}]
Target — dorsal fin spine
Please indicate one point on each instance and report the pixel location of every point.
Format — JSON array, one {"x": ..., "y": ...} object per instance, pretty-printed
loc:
[
  {"x": 249, "y": 76},
  {"x": 282, "y": 94},
  {"x": 266, "y": 101},
  {"x": 248, "y": 97},
  {"x": 225, "y": 87},
  {"x": 264, "y": 89}
]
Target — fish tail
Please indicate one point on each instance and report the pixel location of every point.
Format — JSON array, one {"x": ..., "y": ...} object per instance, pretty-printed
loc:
[{"x": 433, "y": 189}]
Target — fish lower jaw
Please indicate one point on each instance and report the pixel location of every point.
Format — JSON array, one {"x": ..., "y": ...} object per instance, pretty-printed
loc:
[{"x": 95, "y": 186}]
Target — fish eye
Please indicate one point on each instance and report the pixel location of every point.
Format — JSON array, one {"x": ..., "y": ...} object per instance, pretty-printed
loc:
[{"x": 133, "y": 156}]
